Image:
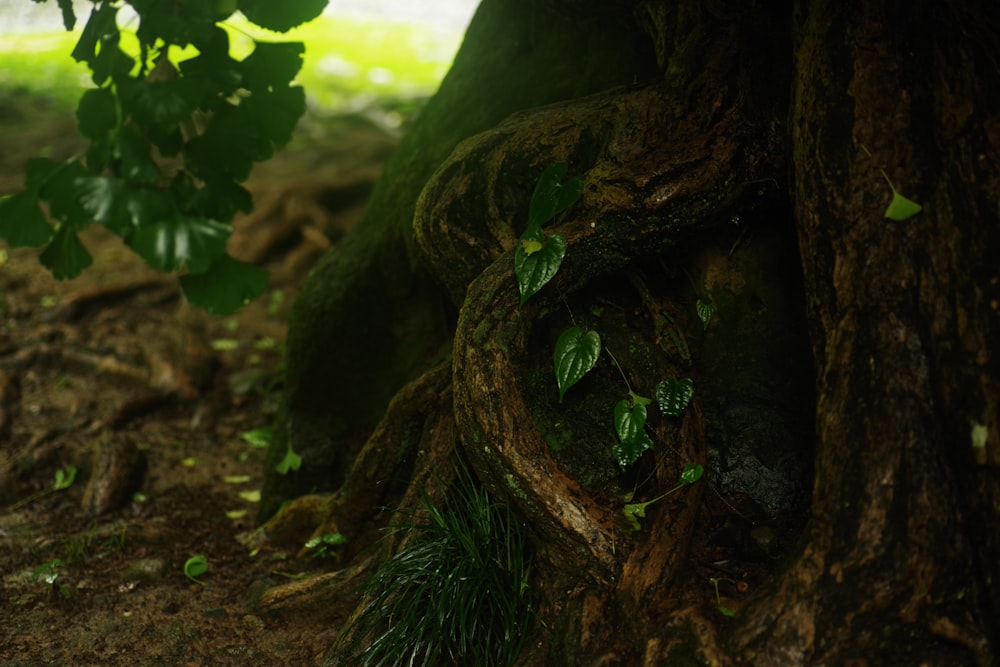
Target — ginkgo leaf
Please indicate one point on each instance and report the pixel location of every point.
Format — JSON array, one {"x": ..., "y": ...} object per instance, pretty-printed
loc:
[
  {"x": 225, "y": 287},
  {"x": 534, "y": 270},
  {"x": 674, "y": 395},
  {"x": 179, "y": 242},
  {"x": 901, "y": 208},
  {"x": 575, "y": 354},
  {"x": 291, "y": 461},
  {"x": 66, "y": 257},
  {"x": 22, "y": 222}
]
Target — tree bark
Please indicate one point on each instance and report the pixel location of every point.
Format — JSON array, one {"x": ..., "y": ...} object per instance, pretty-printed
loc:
[
  {"x": 899, "y": 561},
  {"x": 890, "y": 573}
]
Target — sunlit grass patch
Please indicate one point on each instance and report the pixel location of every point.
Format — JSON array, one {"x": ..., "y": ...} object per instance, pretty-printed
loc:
[
  {"x": 41, "y": 64},
  {"x": 348, "y": 62}
]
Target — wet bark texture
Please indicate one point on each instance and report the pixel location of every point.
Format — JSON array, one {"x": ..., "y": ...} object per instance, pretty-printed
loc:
[{"x": 676, "y": 139}]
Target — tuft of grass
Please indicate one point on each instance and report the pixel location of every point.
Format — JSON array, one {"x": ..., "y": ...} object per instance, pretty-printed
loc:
[{"x": 454, "y": 593}]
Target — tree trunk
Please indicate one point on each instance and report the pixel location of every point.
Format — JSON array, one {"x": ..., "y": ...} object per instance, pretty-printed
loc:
[
  {"x": 683, "y": 136},
  {"x": 901, "y": 312}
]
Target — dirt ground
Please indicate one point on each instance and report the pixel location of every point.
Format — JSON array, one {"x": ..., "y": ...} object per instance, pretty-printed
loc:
[{"x": 111, "y": 387}]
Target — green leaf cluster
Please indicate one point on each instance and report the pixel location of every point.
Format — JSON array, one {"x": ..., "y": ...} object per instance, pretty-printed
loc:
[
  {"x": 170, "y": 142},
  {"x": 538, "y": 255},
  {"x": 634, "y": 511}
]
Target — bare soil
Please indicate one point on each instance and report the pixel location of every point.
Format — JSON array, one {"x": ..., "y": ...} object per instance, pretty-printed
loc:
[{"x": 113, "y": 376}]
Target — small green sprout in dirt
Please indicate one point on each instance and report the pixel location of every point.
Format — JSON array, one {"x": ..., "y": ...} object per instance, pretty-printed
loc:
[
  {"x": 322, "y": 545},
  {"x": 723, "y": 609},
  {"x": 64, "y": 479},
  {"x": 194, "y": 567},
  {"x": 49, "y": 573},
  {"x": 634, "y": 511}
]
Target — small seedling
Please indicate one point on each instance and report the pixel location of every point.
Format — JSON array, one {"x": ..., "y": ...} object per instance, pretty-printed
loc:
[
  {"x": 723, "y": 609},
  {"x": 322, "y": 545},
  {"x": 49, "y": 573},
  {"x": 64, "y": 479},
  {"x": 634, "y": 511},
  {"x": 194, "y": 567}
]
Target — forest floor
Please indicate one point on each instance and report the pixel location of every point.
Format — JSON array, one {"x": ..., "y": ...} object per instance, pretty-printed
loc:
[{"x": 122, "y": 415}]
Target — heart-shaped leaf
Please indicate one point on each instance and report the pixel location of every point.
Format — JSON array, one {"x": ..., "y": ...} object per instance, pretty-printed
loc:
[
  {"x": 692, "y": 473},
  {"x": 630, "y": 419},
  {"x": 537, "y": 268},
  {"x": 576, "y": 353},
  {"x": 705, "y": 311},
  {"x": 674, "y": 395},
  {"x": 552, "y": 195},
  {"x": 628, "y": 452}
]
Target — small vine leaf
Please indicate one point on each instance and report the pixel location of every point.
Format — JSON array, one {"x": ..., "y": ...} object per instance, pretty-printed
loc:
[
  {"x": 534, "y": 270},
  {"x": 705, "y": 311},
  {"x": 692, "y": 473},
  {"x": 633, "y": 512},
  {"x": 632, "y": 521},
  {"x": 630, "y": 419},
  {"x": 552, "y": 195},
  {"x": 575, "y": 354},
  {"x": 901, "y": 208},
  {"x": 628, "y": 452},
  {"x": 674, "y": 395}
]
